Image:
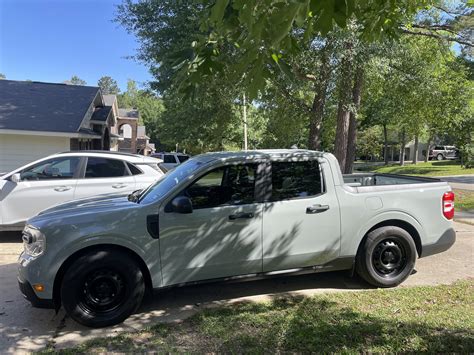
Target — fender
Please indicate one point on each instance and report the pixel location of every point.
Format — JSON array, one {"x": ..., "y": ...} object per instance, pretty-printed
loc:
[{"x": 350, "y": 245}]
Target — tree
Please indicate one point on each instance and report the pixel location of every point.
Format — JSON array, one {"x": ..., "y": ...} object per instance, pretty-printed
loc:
[
  {"x": 75, "y": 80},
  {"x": 108, "y": 85},
  {"x": 2, "y": 76}
]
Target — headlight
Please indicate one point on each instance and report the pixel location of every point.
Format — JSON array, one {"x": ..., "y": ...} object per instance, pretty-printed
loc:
[{"x": 34, "y": 241}]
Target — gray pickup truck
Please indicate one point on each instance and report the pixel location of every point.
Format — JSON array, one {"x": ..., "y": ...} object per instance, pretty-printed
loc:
[{"x": 228, "y": 215}]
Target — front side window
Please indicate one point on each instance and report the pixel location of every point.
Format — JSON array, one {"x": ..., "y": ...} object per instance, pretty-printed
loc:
[
  {"x": 103, "y": 167},
  {"x": 295, "y": 180},
  {"x": 229, "y": 185},
  {"x": 53, "y": 169}
]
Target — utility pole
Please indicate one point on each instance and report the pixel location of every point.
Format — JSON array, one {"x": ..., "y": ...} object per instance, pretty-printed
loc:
[{"x": 245, "y": 123}]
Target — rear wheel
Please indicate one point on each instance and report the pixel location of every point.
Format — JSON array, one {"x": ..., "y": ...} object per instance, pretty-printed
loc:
[
  {"x": 102, "y": 288},
  {"x": 387, "y": 257},
  {"x": 440, "y": 157}
]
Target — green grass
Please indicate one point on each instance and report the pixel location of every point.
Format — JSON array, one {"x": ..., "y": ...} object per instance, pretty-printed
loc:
[
  {"x": 435, "y": 319},
  {"x": 464, "y": 200},
  {"x": 431, "y": 168}
]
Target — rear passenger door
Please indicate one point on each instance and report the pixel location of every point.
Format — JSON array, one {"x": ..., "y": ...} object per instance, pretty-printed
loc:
[
  {"x": 104, "y": 176},
  {"x": 301, "y": 222}
]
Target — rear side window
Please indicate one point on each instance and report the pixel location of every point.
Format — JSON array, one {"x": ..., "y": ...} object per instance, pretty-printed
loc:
[
  {"x": 134, "y": 170},
  {"x": 439, "y": 148},
  {"x": 102, "y": 167},
  {"x": 295, "y": 180},
  {"x": 169, "y": 159},
  {"x": 182, "y": 158}
]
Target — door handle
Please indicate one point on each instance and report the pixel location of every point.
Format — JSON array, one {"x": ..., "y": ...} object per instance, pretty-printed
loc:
[
  {"x": 316, "y": 209},
  {"x": 62, "y": 188},
  {"x": 233, "y": 217},
  {"x": 119, "y": 186}
]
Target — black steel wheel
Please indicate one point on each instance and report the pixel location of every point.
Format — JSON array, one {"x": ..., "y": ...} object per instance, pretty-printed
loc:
[
  {"x": 102, "y": 288},
  {"x": 386, "y": 257}
]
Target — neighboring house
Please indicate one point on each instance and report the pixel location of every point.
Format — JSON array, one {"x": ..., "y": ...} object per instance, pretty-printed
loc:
[
  {"x": 111, "y": 100},
  {"x": 38, "y": 119},
  {"x": 127, "y": 125},
  {"x": 144, "y": 146}
]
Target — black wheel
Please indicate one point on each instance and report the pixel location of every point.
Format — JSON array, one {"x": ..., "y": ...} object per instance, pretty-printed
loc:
[
  {"x": 440, "y": 157},
  {"x": 387, "y": 257},
  {"x": 102, "y": 288}
]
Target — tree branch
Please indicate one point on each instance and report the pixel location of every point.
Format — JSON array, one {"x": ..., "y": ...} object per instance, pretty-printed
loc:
[{"x": 437, "y": 36}]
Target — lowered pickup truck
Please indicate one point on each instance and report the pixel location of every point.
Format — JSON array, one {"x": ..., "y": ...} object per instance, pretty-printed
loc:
[{"x": 228, "y": 215}]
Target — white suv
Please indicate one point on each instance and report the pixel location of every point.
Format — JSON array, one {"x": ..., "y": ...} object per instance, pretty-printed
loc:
[{"x": 67, "y": 176}]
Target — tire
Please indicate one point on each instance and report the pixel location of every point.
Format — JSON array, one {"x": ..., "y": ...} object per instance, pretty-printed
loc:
[
  {"x": 386, "y": 257},
  {"x": 102, "y": 288},
  {"x": 440, "y": 157}
]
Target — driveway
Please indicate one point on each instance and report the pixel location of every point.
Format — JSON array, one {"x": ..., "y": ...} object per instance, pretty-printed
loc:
[{"x": 23, "y": 328}]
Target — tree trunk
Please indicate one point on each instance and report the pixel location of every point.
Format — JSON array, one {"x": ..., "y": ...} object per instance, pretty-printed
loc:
[
  {"x": 343, "y": 112},
  {"x": 415, "y": 148},
  {"x": 402, "y": 148},
  {"x": 319, "y": 102},
  {"x": 352, "y": 134},
  {"x": 428, "y": 146},
  {"x": 385, "y": 144}
]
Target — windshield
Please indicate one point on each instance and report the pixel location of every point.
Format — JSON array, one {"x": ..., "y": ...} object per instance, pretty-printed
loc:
[{"x": 172, "y": 178}]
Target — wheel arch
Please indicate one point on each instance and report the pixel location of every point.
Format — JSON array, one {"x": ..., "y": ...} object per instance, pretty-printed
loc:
[
  {"x": 70, "y": 259},
  {"x": 408, "y": 227}
]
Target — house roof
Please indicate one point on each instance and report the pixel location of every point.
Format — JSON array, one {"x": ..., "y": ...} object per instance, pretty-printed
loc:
[
  {"x": 101, "y": 113},
  {"x": 37, "y": 106}
]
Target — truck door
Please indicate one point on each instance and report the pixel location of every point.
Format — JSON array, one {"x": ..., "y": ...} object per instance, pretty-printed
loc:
[
  {"x": 301, "y": 221},
  {"x": 222, "y": 236}
]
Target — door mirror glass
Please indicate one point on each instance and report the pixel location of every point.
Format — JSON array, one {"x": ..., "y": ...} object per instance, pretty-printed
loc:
[
  {"x": 182, "y": 204},
  {"x": 15, "y": 177}
]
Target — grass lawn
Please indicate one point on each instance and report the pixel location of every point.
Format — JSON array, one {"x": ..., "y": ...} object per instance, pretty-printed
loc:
[
  {"x": 464, "y": 200},
  {"x": 431, "y": 168},
  {"x": 437, "y": 319}
]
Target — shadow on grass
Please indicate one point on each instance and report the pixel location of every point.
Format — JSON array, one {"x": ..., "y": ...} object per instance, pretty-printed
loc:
[{"x": 291, "y": 324}]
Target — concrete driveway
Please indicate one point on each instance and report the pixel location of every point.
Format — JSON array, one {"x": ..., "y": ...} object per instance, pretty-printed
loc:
[{"x": 23, "y": 328}]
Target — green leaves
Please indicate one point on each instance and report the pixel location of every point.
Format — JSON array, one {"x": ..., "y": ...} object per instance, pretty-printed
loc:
[{"x": 217, "y": 11}]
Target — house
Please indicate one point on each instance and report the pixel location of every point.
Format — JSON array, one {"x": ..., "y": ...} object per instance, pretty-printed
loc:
[
  {"x": 38, "y": 119},
  {"x": 144, "y": 146}
]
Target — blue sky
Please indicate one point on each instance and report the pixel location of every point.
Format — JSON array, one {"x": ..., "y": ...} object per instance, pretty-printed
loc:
[{"x": 51, "y": 40}]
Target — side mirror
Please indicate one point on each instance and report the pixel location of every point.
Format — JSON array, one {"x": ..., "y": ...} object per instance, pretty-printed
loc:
[
  {"x": 182, "y": 204},
  {"x": 15, "y": 177}
]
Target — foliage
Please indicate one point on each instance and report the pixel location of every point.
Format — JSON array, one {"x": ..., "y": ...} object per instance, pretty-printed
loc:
[
  {"x": 369, "y": 143},
  {"x": 2, "y": 76},
  {"x": 433, "y": 319},
  {"x": 108, "y": 86},
  {"x": 262, "y": 32},
  {"x": 75, "y": 80}
]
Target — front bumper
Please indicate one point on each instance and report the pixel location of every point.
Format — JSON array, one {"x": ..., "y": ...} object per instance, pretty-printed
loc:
[
  {"x": 31, "y": 296},
  {"x": 442, "y": 244}
]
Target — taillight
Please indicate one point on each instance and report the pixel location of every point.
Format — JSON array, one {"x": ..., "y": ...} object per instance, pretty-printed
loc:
[{"x": 448, "y": 205}]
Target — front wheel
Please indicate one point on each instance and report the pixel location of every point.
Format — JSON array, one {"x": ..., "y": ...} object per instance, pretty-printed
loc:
[
  {"x": 102, "y": 288},
  {"x": 387, "y": 257},
  {"x": 440, "y": 157}
]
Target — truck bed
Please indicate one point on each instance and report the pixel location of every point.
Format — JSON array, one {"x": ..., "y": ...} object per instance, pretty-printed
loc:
[{"x": 387, "y": 181}]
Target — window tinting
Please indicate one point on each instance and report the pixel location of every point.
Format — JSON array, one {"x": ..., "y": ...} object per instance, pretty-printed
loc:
[
  {"x": 59, "y": 168},
  {"x": 182, "y": 158},
  {"x": 295, "y": 179},
  {"x": 230, "y": 185},
  {"x": 169, "y": 159},
  {"x": 102, "y": 167},
  {"x": 134, "y": 170}
]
